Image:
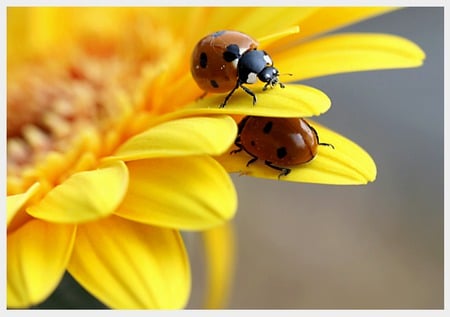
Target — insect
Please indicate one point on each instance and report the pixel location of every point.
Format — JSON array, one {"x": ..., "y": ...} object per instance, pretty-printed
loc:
[
  {"x": 280, "y": 142},
  {"x": 226, "y": 60}
]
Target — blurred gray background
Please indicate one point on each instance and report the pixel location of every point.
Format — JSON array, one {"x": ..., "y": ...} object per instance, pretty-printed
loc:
[
  {"x": 374, "y": 246},
  {"x": 332, "y": 247}
]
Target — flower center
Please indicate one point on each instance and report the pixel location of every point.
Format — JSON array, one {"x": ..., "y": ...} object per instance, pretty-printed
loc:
[
  {"x": 48, "y": 109},
  {"x": 66, "y": 112}
]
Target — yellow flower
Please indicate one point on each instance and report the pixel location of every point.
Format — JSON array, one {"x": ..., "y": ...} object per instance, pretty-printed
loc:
[
  {"x": 112, "y": 223},
  {"x": 110, "y": 153}
]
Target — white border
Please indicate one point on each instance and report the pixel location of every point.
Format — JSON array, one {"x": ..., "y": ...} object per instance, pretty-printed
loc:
[{"x": 227, "y": 313}]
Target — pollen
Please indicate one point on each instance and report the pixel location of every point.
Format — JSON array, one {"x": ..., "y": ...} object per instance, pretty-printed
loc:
[
  {"x": 70, "y": 107},
  {"x": 51, "y": 108}
]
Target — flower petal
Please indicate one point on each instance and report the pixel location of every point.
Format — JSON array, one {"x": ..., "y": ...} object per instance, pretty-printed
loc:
[
  {"x": 187, "y": 136},
  {"x": 346, "y": 164},
  {"x": 128, "y": 265},
  {"x": 37, "y": 255},
  {"x": 84, "y": 196},
  {"x": 219, "y": 254},
  {"x": 184, "y": 193},
  {"x": 14, "y": 203},
  {"x": 331, "y": 18},
  {"x": 292, "y": 101},
  {"x": 262, "y": 21},
  {"x": 256, "y": 21},
  {"x": 349, "y": 53},
  {"x": 326, "y": 19}
]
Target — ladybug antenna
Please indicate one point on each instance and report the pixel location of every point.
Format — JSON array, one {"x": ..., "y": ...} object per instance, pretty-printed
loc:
[{"x": 283, "y": 74}]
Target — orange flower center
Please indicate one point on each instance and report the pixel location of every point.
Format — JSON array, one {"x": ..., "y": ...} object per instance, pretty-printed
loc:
[{"x": 65, "y": 111}]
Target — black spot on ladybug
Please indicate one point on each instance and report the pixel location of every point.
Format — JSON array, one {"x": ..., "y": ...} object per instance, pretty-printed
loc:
[
  {"x": 268, "y": 127},
  {"x": 252, "y": 143},
  {"x": 281, "y": 152},
  {"x": 231, "y": 53},
  {"x": 203, "y": 60},
  {"x": 214, "y": 83}
]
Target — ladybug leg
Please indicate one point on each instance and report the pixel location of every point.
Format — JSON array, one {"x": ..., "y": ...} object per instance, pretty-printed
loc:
[
  {"x": 317, "y": 137},
  {"x": 251, "y": 93},
  {"x": 284, "y": 170},
  {"x": 238, "y": 83},
  {"x": 237, "y": 142},
  {"x": 273, "y": 83},
  {"x": 327, "y": 144},
  {"x": 240, "y": 148},
  {"x": 236, "y": 151},
  {"x": 253, "y": 160}
]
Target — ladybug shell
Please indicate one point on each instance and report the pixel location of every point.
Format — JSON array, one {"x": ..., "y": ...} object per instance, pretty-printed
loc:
[
  {"x": 281, "y": 141},
  {"x": 210, "y": 69}
]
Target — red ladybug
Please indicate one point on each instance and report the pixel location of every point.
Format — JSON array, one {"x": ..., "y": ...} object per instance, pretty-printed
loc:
[
  {"x": 225, "y": 60},
  {"x": 279, "y": 142}
]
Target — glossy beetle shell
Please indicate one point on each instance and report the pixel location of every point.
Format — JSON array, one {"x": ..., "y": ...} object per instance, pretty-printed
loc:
[
  {"x": 210, "y": 69},
  {"x": 281, "y": 141}
]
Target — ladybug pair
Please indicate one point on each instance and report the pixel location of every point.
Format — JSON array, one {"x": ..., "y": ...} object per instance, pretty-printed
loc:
[{"x": 226, "y": 60}]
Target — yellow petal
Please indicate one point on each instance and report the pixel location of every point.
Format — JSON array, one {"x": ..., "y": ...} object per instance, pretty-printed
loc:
[
  {"x": 183, "y": 193},
  {"x": 292, "y": 101},
  {"x": 219, "y": 254},
  {"x": 330, "y": 18},
  {"x": 262, "y": 21},
  {"x": 346, "y": 164},
  {"x": 14, "y": 203},
  {"x": 273, "y": 37},
  {"x": 349, "y": 53},
  {"x": 182, "y": 137},
  {"x": 326, "y": 19},
  {"x": 128, "y": 265},
  {"x": 84, "y": 196},
  {"x": 37, "y": 256}
]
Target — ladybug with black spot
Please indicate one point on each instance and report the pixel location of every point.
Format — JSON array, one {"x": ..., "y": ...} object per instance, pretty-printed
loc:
[
  {"x": 280, "y": 142},
  {"x": 226, "y": 60}
]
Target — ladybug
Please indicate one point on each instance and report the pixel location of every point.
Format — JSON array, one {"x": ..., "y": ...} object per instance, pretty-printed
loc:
[
  {"x": 279, "y": 142},
  {"x": 225, "y": 60}
]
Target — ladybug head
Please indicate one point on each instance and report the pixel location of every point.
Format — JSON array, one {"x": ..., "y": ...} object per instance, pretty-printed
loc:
[
  {"x": 269, "y": 75},
  {"x": 257, "y": 64}
]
